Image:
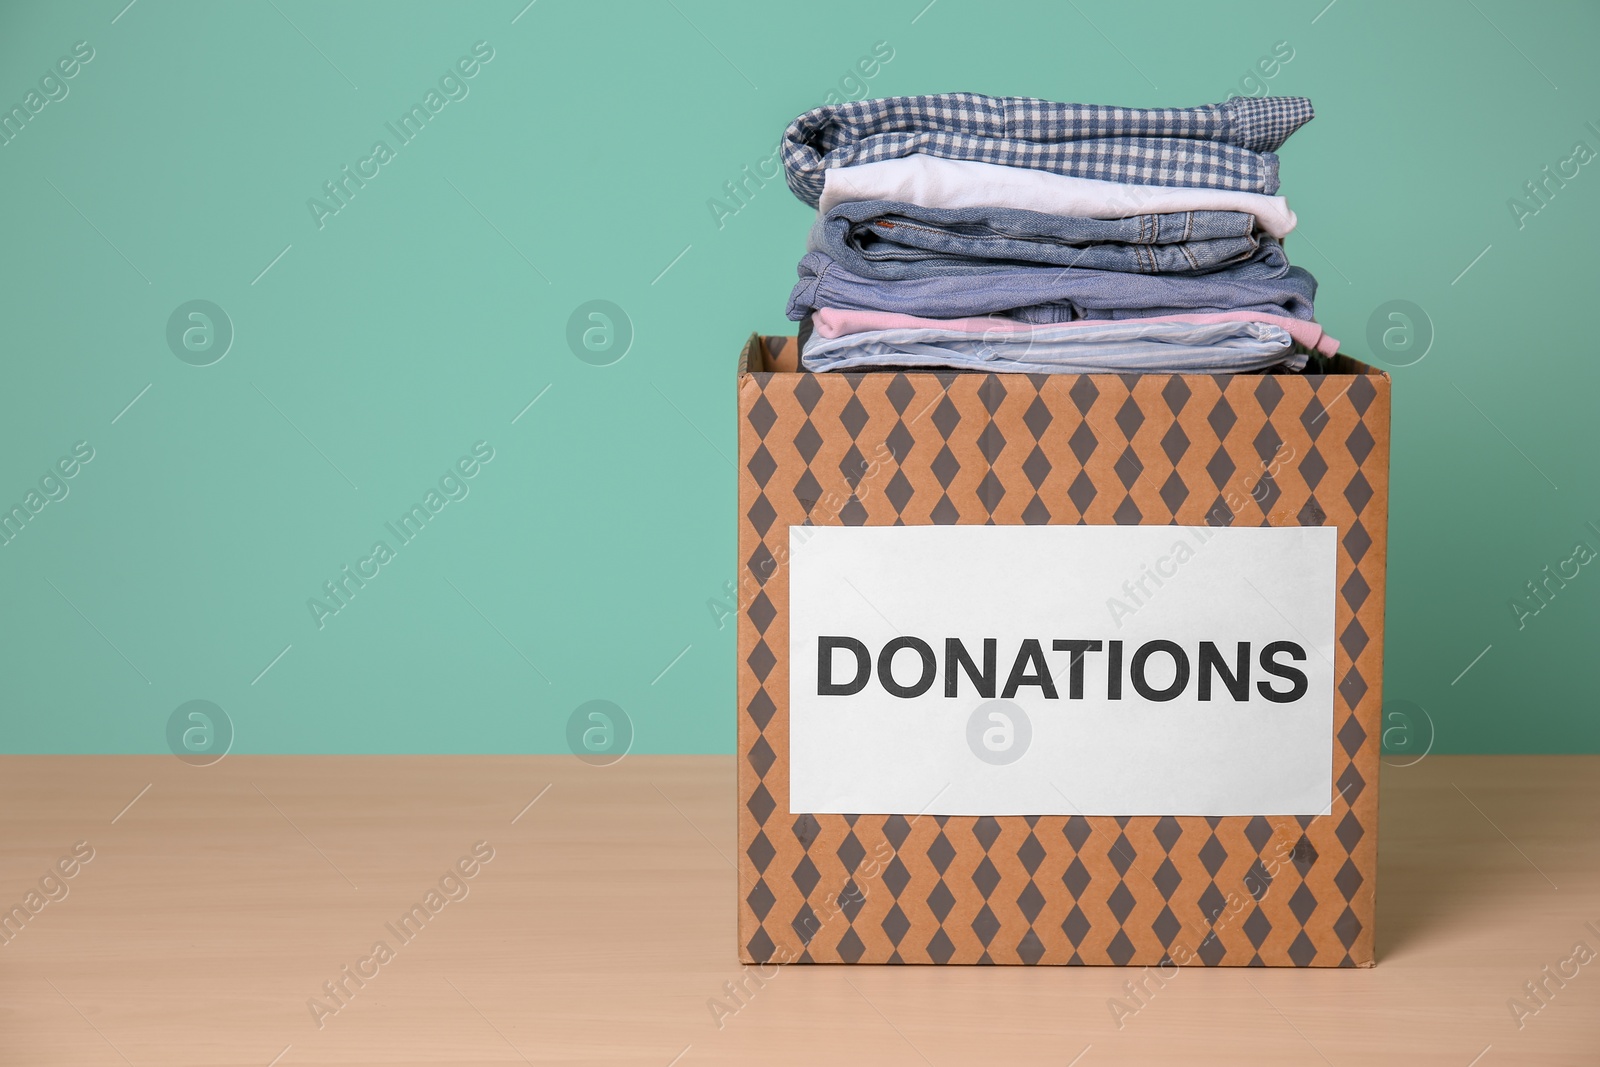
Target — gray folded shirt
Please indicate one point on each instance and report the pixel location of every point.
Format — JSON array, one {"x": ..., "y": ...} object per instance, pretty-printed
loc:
[{"x": 1218, "y": 146}]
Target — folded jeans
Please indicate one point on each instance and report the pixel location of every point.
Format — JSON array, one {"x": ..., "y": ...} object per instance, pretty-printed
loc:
[
  {"x": 1265, "y": 282},
  {"x": 1112, "y": 347},
  {"x": 891, "y": 241}
]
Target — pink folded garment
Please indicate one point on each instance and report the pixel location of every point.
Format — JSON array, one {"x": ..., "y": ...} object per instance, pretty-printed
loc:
[{"x": 835, "y": 322}]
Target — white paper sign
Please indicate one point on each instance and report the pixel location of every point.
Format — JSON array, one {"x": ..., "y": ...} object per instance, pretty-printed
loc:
[{"x": 1061, "y": 670}]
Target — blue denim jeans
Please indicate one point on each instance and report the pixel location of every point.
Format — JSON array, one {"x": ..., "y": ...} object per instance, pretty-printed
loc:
[
  {"x": 1265, "y": 282},
  {"x": 890, "y": 241},
  {"x": 1090, "y": 348}
]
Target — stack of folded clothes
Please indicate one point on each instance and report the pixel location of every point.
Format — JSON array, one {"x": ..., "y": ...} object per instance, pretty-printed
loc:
[{"x": 1014, "y": 234}]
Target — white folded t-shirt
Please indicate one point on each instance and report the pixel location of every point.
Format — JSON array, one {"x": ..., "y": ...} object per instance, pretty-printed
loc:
[{"x": 933, "y": 181}]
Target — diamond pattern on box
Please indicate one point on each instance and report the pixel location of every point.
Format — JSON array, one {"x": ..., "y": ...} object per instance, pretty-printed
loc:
[{"x": 922, "y": 448}]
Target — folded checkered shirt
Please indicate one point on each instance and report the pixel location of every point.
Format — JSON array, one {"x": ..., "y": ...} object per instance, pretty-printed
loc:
[{"x": 1218, "y": 146}]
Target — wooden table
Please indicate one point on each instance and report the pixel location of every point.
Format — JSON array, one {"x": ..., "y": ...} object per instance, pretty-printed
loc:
[{"x": 219, "y": 900}]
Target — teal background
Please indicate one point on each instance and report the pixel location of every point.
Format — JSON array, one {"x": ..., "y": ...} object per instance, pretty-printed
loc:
[{"x": 431, "y": 310}]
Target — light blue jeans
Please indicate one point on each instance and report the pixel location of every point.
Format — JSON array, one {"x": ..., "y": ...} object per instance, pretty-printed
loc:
[
  {"x": 1090, "y": 348},
  {"x": 890, "y": 241},
  {"x": 1265, "y": 282}
]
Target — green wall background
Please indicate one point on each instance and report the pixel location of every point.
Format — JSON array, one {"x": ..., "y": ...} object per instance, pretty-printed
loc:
[{"x": 374, "y": 351}]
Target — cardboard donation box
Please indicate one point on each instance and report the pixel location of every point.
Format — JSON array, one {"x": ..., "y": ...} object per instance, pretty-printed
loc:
[{"x": 1059, "y": 669}]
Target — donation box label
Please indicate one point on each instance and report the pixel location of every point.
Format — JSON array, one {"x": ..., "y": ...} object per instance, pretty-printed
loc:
[{"x": 1061, "y": 670}]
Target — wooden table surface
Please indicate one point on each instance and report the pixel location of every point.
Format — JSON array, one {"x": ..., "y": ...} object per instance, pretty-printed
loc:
[{"x": 220, "y": 900}]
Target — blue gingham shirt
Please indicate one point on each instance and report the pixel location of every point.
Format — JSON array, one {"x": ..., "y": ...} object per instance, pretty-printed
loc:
[{"x": 1217, "y": 146}]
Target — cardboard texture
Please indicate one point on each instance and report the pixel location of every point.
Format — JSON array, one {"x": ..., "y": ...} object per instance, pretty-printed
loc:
[{"x": 887, "y": 448}]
